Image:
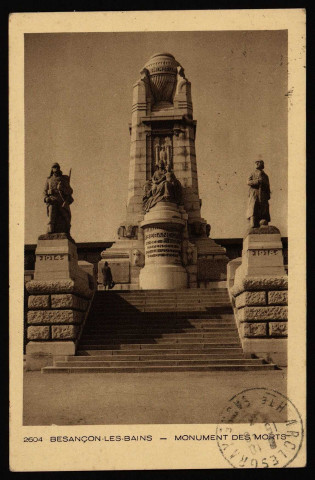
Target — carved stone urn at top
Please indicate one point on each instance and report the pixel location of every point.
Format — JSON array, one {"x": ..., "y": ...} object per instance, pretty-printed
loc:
[{"x": 162, "y": 71}]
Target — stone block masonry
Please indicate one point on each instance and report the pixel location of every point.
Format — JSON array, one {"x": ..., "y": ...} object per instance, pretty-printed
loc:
[
  {"x": 69, "y": 301},
  {"x": 261, "y": 314},
  {"x": 64, "y": 332},
  {"x": 55, "y": 332},
  {"x": 38, "y": 333},
  {"x": 49, "y": 317},
  {"x": 267, "y": 313},
  {"x": 262, "y": 319},
  {"x": 278, "y": 298},
  {"x": 250, "y": 298},
  {"x": 55, "y": 316},
  {"x": 38, "y": 301}
]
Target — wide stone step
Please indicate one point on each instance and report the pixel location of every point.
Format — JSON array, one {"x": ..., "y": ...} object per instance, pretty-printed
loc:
[
  {"x": 158, "y": 363},
  {"x": 187, "y": 338},
  {"x": 189, "y": 302},
  {"x": 161, "y": 298},
  {"x": 166, "y": 318},
  {"x": 170, "y": 310},
  {"x": 159, "y": 350},
  {"x": 96, "y": 356},
  {"x": 157, "y": 292},
  {"x": 101, "y": 319},
  {"x": 175, "y": 368},
  {"x": 160, "y": 327},
  {"x": 157, "y": 345},
  {"x": 101, "y": 294},
  {"x": 131, "y": 297},
  {"x": 160, "y": 307},
  {"x": 163, "y": 333},
  {"x": 158, "y": 301},
  {"x": 103, "y": 330}
]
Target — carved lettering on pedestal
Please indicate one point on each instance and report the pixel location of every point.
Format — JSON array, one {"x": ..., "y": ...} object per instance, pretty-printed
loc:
[
  {"x": 175, "y": 235},
  {"x": 51, "y": 257},
  {"x": 162, "y": 244},
  {"x": 259, "y": 253}
]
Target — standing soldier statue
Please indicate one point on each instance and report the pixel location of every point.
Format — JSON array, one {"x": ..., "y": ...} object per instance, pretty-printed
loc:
[
  {"x": 259, "y": 196},
  {"x": 58, "y": 197}
]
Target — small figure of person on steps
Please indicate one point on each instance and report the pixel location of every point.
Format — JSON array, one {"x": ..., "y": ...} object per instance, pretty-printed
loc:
[{"x": 107, "y": 276}]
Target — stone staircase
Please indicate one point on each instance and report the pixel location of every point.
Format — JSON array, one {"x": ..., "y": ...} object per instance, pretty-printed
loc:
[{"x": 159, "y": 331}]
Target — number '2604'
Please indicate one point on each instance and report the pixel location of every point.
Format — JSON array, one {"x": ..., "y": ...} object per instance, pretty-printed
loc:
[{"x": 32, "y": 439}]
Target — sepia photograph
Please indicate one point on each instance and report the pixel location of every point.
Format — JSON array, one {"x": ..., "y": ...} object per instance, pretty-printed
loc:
[{"x": 155, "y": 210}]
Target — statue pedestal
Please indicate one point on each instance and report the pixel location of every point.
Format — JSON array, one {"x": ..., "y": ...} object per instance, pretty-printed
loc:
[
  {"x": 163, "y": 226},
  {"x": 58, "y": 302},
  {"x": 260, "y": 296}
]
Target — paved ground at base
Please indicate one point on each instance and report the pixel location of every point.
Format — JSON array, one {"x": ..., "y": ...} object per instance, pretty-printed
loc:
[{"x": 139, "y": 398}]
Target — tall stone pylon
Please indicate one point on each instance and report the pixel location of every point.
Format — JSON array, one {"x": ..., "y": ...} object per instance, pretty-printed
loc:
[{"x": 163, "y": 130}]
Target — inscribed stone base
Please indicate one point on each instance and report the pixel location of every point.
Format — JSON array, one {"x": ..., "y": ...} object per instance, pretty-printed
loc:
[
  {"x": 41, "y": 354},
  {"x": 56, "y": 258},
  {"x": 163, "y": 229},
  {"x": 262, "y": 254}
]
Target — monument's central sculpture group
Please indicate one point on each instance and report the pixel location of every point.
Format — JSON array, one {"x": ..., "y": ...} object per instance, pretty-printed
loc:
[{"x": 164, "y": 242}]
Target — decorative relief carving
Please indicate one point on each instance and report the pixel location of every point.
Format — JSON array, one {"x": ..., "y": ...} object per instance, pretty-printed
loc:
[
  {"x": 137, "y": 258},
  {"x": 189, "y": 254}
]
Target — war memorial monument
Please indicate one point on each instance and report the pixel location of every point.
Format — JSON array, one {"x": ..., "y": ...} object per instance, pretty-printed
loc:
[{"x": 178, "y": 303}]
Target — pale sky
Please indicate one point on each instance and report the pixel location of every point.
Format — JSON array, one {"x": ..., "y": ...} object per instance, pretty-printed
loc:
[{"x": 78, "y": 98}]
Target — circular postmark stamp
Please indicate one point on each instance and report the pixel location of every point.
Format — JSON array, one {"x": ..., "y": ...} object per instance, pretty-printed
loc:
[{"x": 260, "y": 428}]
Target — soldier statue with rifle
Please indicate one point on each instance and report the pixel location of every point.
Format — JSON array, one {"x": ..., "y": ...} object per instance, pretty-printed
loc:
[{"x": 58, "y": 198}]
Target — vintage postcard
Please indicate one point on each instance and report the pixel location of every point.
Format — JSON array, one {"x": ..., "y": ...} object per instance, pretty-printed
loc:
[{"x": 157, "y": 240}]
